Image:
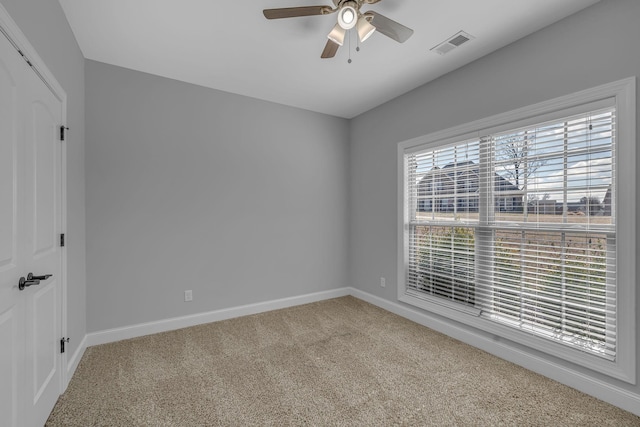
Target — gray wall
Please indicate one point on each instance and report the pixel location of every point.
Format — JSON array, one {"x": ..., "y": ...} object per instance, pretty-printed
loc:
[
  {"x": 595, "y": 46},
  {"x": 239, "y": 200},
  {"x": 46, "y": 27}
]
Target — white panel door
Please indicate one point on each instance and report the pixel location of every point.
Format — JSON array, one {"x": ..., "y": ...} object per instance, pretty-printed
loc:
[
  {"x": 42, "y": 217},
  {"x": 12, "y": 302},
  {"x": 30, "y": 221}
]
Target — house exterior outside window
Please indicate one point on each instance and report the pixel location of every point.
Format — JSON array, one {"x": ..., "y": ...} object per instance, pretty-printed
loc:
[{"x": 455, "y": 188}]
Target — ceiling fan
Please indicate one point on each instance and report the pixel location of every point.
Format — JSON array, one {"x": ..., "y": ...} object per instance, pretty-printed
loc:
[{"x": 349, "y": 16}]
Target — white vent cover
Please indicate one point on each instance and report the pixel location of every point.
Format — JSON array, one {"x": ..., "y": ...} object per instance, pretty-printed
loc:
[{"x": 452, "y": 42}]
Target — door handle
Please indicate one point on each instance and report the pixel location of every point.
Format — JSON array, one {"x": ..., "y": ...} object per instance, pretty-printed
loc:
[
  {"x": 30, "y": 276},
  {"x": 23, "y": 283},
  {"x": 31, "y": 280}
]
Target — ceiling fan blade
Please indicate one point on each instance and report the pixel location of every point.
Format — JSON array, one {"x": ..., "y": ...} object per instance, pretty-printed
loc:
[
  {"x": 330, "y": 49},
  {"x": 389, "y": 27},
  {"x": 292, "y": 12}
]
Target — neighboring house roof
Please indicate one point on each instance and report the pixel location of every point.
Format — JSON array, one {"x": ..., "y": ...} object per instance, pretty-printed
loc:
[
  {"x": 462, "y": 177},
  {"x": 459, "y": 164}
]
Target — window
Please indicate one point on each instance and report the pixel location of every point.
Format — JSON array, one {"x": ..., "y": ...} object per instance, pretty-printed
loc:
[{"x": 520, "y": 228}]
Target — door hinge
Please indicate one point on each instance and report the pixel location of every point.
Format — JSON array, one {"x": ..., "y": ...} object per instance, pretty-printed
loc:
[
  {"x": 62, "y": 342},
  {"x": 63, "y": 132},
  {"x": 62, "y": 240}
]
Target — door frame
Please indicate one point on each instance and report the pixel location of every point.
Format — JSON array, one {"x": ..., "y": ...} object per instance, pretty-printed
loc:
[{"x": 17, "y": 38}]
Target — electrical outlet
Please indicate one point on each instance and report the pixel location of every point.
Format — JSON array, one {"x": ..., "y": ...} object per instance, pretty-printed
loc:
[
  {"x": 188, "y": 295},
  {"x": 383, "y": 282}
]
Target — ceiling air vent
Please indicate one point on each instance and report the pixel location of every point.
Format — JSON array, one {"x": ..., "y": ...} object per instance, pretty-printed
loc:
[{"x": 453, "y": 42}]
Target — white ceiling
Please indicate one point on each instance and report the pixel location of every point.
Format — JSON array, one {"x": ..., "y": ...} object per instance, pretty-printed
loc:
[{"x": 230, "y": 46}]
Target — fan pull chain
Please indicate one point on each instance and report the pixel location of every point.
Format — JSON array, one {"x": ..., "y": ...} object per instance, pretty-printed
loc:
[{"x": 349, "y": 35}]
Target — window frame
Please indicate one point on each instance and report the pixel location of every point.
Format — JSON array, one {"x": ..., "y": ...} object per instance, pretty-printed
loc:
[{"x": 621, "y": 94}]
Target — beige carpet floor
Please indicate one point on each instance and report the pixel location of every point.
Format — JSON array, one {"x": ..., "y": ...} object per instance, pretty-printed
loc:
[{"x": 339, "y": 362}]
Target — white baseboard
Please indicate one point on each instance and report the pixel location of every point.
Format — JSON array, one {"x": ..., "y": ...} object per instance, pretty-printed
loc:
[
  {"x": 616, "y": 396},
  {"x": 134, "y": 331},
  {"x": 74, "y": 361}
]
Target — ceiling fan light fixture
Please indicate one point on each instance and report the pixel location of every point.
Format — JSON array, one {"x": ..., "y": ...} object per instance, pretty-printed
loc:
[
  {"x": 347, "y": 17},
  {"x": 337, "y": 35},
  {"x": 365, "y": 29}
]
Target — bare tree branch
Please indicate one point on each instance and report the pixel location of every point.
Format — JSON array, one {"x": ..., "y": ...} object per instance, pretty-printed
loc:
[{"x": 517, "y": 150}]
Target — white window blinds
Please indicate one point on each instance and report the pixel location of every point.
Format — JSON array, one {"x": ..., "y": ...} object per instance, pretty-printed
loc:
[{"x": 519, "y": 225}]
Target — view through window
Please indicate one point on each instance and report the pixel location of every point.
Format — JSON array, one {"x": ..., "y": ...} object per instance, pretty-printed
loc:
[{"x": 520, "y": 225}]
